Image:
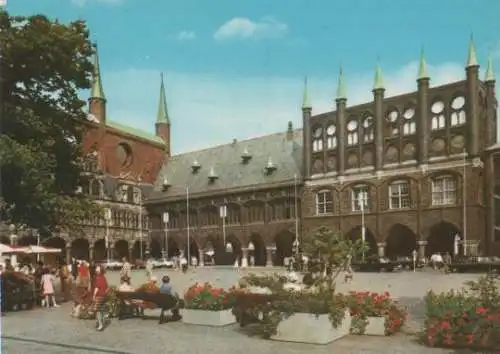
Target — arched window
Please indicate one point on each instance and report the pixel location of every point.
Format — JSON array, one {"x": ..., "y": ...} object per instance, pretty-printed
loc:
[
  {"x": 368, "y": 132},
  {"x": 317, "y": 139},
  {"x": 360, "y": 197},
  {"x": 324, "y": 202},
  {"x": 255, "y": 212},
  {"x": 444, "y": 190},
  {"x": 392, "y": 117},
  {"x": 352, "y": 133},
  {"x": 409, "y": 124},
  {"x": 458, "y": 116},
  {"x": 96, "y": 188},
  {"x": 438, "y": 120},
  {"x": 331, "y": 137},
  {"x": 399, "y": 195},
  {"x": 233, "y": 214}
]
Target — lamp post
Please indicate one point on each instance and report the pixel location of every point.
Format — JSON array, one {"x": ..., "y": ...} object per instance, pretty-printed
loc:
[
  {"x": 362, "y": 196},
  {"x": 165, "y": 224},
  {"x": 464, "y": 197},
  {"x": 37, "y": 235},
  {"x": 107, "y": 220},
  {"x": 296, "y": 242}
]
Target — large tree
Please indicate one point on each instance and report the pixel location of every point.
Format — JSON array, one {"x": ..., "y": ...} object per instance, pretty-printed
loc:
[{"x": 43, "y": 66}]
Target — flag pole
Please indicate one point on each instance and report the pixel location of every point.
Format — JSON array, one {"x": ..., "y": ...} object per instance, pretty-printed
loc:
[
  {"x": 464, "y": 197},
  {"x": 188, "y": 234}
]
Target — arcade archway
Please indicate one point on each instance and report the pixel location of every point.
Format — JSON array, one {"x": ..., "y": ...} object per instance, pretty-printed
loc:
[
  {"x": 441, "y": 239},
  {"x": 139, "y": 250},
  {"x": 155, "y": 249},
  {"x": 173, "y": 248},
  {"x": 259, "y": 250},
  {"x": 401, "y": 242},
  {"x": 59, "y": 243},
  {"x": 80, "y": 249},
  {"x": 121, "y": 249},
  {"x": 194, "y": 251},
  {"x": 284, "y": 247},
  {"x": 355, "y": 235},
  {"x": 211, "y": 251},
  {"x": 100, "y": 250},
  {"x": 231, "y": 251}
]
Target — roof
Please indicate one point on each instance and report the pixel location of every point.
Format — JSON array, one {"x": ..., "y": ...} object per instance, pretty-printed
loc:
[
  {"x": 135, "y": 132},
  {"x": 226, "y": 162}
]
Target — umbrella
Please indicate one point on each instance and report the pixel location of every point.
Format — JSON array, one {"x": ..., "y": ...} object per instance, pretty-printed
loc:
[
  {"x": 5, "y": 249},
  {"x": 38, "y": 249}
]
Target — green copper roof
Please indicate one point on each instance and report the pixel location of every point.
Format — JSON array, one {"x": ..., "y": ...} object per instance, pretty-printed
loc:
[
  {"x": 489, "y": 76},
  {"x": 306, "y": 104},
  {"x": 97, "y": 90},
  {"x": 341, "y": 90},
  {"x": 422, "y": 67},
  {"x": 135, "y": 132},
  {"x": 379, "y": 80},
  {"x": 471, "y": 56},
  {"x": 162, "y": 116}
]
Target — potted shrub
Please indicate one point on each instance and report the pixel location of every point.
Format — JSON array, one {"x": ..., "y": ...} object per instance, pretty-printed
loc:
[
  {"x": 374, "y": 314},
  {"x": 208, "y": 305}
]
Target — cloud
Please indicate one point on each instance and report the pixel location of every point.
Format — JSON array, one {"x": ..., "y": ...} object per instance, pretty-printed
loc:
[
  {"x": 244, "y": 28},
  {"x": 185, "y": 36},
  {"x": 207, "y": 110},
  {"x": 82, "y": 3}
]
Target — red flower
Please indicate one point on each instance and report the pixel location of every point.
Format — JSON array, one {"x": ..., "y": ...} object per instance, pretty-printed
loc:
[{"x": 480, "y": 310}]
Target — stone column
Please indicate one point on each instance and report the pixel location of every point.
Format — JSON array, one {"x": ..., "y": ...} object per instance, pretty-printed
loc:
[
  {"x": 130, "y": 251},
  {"x": 68, "y": 252},
  {"x": 269, "y": 257},
  {"x": 91, "y": 253},
  {"x": 244, "y": 258},
  {"x": 381, "y": 249},
  {"x": 421, "y": 249},
  {"x": 201, "y": 258}
]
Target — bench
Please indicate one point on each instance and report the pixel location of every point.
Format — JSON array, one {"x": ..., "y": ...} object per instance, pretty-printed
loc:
[{"x": 165, "y": 302}]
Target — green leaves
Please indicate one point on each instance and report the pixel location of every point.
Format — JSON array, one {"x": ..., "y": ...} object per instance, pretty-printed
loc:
[{"x": 44, "y": 64}]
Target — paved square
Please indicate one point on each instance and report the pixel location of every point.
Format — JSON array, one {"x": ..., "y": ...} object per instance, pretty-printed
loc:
[{"x": 54, "y": 331}]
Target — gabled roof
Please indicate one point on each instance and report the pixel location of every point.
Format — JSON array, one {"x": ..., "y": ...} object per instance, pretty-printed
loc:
[
  {"x": 227, "y": 164},
  {"x": 135, "y": 132}
]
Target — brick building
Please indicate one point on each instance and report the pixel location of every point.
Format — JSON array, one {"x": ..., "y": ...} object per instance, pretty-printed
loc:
[
  {"x": 122, "y": 164},
  {"x": 418, "y": 169}
]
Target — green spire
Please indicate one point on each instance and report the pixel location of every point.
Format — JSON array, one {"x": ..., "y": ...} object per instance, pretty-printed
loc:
[
  {"x": 97, "y": 90},
  {"x": 341, "y": 90},
  {"x": 379, "y": 80},
  {"x": 472, "y": 57},
  {"x": 489, "y": 76},
  {"x": 306, "y": 104},
  {"x": 422, "y": 67},
  {"x": 162, "y": 116}
]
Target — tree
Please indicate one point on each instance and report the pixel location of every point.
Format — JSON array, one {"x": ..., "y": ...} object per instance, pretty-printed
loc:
[{"x": 43, "y": 65}]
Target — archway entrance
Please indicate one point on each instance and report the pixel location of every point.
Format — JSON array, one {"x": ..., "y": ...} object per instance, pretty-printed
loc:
[
  {"x": 231, "y": 252},
  {"x": 441, "y": 239},
  {"x": 121, "y": 249},
  {"x": 259, "y": 251},
  {"x": 155, "y": 249},
  {"x": 355, "y": 235},
  {"x": 60, "y": 243},
  {"x": 284, "y": 247},
  {"x": 80, "y": 249},
  {"x": 194, "y": 251},
  {"x": 401, "y": 242},
  {"x": 139, "y": 250},
  {"x": 173, "y": 248},
  {"x": 211, "y": 251},
  {"x": 100, "y": 250}
]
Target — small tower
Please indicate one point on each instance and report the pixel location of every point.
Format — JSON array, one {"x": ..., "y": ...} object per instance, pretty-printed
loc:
[
  {"x": 423, "y": 83},
  {"x": 306, "y": 127},
  {"x": 340, "y": 104},
  {"x": 97, "y": 100},
  {"x": 378, "y": 100},
  {"x": 491, "y": 103},
  {"x": 162, "y": 124},
  {"x": 472, "y": 108}
]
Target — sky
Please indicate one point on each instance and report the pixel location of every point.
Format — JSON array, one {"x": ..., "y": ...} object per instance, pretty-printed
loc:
[{"x": 235, "y": 69}]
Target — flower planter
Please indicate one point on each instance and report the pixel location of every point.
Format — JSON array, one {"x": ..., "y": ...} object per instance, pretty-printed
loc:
[
  {"x": 312, "y": 329},
  {"x": 208, "y": 318},
  {"x": 375, "y": 326}
]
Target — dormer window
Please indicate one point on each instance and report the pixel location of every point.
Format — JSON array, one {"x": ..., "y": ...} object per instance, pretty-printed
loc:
[
  {"x": 245, "y": 156},
  {"x": 212, "y": 176},
  {"x": 195, "y": 166},
  {"x": 270, "y": 167},
  {"x": 166, "y": 184}
]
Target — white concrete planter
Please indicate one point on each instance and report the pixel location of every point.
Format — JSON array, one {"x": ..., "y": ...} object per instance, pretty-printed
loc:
[
  {"x": 208, "y": 318},
  {"x": 375, "y": 326},
  {"x": 312, "y": 329}
]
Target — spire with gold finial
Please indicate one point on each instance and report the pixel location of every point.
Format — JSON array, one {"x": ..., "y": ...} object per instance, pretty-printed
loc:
[
  {"x": 341, "y": 89},
  {"x": 472, "y": 56},
  {"x": 489, "y": 76},
  {"x": 162, "y": 116},
  {"x": 379, "y": 79},
  {"x": 422, "y": 67},
  {"x": 306, "y": 104},
  {"x": 97, "y": 91}
]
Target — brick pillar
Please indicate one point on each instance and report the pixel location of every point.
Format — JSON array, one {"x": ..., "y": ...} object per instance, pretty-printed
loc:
[
  {"x": 381, "y": 249},
  {"x": 421, "y": 249},
  {"x": 244, "y": 258},
  {"x": 201, "y": 258},
  {"x": 269, "y": 257}
]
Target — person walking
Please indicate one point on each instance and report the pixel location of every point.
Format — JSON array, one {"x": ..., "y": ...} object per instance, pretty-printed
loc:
[{"x": 99, "y": 296}]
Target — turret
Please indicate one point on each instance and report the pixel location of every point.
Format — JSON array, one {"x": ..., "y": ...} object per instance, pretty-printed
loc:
[
  {"x": 423, "y": 82},
  {"x": 491, "y": 104},
  {"x": 378, "y": 107},
  {"x": 162, "y": 124},
  {"x": 306, "y": 125},
  {"x": 340, "y": 103},
  {"x": 472, "y": 110},
  {"x": 97, "y": 100}
]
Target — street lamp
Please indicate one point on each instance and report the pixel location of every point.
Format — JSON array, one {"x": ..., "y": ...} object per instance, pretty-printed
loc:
[
  {"x": 107, "y": 220},
  {"x": 165, "y": 223},
  {"x": 223, "y": 215},
  {"x": 362, "y": 201}
]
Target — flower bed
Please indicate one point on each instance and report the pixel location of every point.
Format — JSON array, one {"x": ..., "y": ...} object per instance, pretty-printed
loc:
[
  {"x": 374, "y": 314},
  {"x": 208, "y": 305}
]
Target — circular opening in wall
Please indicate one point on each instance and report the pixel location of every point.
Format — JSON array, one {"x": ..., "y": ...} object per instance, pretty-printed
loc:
[{"x": 124, "y": 154}]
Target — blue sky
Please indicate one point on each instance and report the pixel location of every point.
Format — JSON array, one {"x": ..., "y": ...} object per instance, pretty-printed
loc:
[{"x": 235, "y": 68}]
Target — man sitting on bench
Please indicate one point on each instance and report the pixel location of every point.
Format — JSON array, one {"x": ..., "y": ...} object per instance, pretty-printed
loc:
[{"x": 166, "y": 288}]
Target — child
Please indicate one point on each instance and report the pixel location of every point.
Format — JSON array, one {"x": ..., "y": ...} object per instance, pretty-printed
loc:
[{"x": 48, "y": 288}]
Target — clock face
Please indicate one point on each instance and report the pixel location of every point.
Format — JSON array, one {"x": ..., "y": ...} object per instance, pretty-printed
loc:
[
  {"x": 409, "y": 113},
  {"x": 331, "y": 130},
  {"x": 317, "y": 132},
  {"x": 393, "y": 116}
]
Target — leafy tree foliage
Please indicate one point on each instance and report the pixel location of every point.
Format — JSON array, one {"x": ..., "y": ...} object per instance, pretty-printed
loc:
[{"x": 43, "y": 65}]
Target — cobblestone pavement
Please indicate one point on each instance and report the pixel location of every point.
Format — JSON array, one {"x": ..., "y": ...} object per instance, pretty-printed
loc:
[{"x": 54, "y": 331}]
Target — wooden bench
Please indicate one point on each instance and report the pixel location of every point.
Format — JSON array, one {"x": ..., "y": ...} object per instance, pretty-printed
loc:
[{"x": 165, "y": 302}]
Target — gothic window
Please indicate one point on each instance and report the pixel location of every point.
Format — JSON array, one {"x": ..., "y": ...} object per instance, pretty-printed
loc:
[
  {"x": 193, "y": 218},
  {"x": 352, "y": 133},
  {"x": 173, "y": 220},
  {"x": 281, "y": 210},
  {"x": 360, "y": 197},
  {"x": 137, "y": 196},
  {"x": 409, "y": 124},
  {"x": 324, "y": 203},
  {"x": 130, "y": 194},
  {"x": 318, "y": 139},
  {"x": 444, "y": 190},
  {"x": 233, "y": 214},
  {"x": 331, "y": 137},
  {"x": 399, "y": 195},
  {"x": 458, "y": 116},
  {"x": 145, "y": 222},
  {"x": 393, "y": 119},
  {"x": 96, "y": 188},
  {"x": 122, "y": 194},
  {"x": 210, "y": 216},
  {"x": 255, "y": 212},
  {"x": 438, "y": 121},
  {"x": 368, "y": 133}
]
